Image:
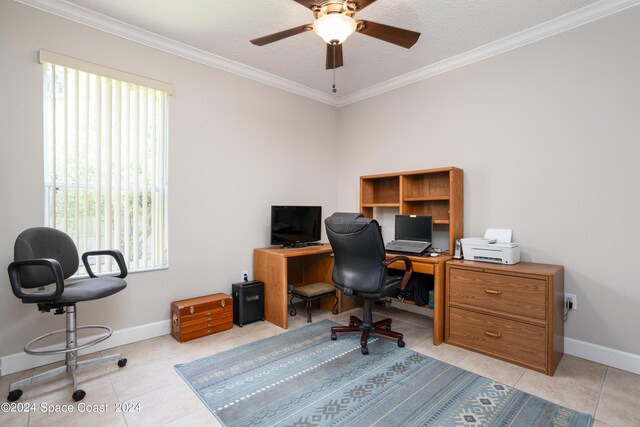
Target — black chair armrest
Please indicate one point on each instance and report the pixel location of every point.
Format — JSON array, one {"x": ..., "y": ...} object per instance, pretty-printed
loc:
[
  {"x": 16, "y": 286},
  {"x": 408, "y": 269},
  {"x": 117, "y": 255}
]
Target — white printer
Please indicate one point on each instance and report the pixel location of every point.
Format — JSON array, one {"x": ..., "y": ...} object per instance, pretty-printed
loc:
[{"x": 495, "y": 246}]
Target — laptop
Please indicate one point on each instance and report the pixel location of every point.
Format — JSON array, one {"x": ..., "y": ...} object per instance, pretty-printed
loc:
[{"x": 413, "y": 234}]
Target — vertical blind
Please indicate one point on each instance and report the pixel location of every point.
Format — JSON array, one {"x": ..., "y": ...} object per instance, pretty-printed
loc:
[{"x": 106, "y": 165}]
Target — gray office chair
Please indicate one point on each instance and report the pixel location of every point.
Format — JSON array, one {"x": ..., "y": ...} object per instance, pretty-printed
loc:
[
  {"x": 46, "y": 256},
  {"x": 360, "y": 269}
]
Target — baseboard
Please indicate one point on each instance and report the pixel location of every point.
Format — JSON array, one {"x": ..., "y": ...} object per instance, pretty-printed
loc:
[
  {"x": 607, "y": 356},
  {"x": 21, "y": 361}
]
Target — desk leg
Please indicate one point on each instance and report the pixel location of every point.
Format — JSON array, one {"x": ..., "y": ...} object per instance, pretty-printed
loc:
[
  {"x": 272, "y": 270},
  {"x": 438, "y": 302}
]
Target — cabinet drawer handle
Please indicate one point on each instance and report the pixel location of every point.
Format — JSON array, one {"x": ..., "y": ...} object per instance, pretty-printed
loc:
[
  {"x": 493, "y": 292},
  {"x": 493, "y": 334}
]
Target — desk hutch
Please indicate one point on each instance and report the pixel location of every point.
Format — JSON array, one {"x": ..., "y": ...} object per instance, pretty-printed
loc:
[{"x": 437, "y": 192}]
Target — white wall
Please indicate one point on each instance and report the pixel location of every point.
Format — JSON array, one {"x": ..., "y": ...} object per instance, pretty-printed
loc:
[
  {"x": 548, "y": 136},
  {"x": 235, "y": 149}
]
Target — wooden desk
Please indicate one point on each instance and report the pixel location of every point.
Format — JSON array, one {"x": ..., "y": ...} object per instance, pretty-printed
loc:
[
  {"x": 434, "y": 266},
  {"x": 300, "y": 266},
  {"x": 278, "y": 268}
]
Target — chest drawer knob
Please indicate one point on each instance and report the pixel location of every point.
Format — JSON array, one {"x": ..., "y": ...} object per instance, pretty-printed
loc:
[
  {"x": 493, "y": 291},
  {"x": 492, "y": 334}
]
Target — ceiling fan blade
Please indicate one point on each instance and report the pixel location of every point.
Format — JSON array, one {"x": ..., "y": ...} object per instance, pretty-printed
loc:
[
  {"x": 281, "y": 35},
  {"x": 389, "y": 34},
  {"x": 338, "y": 62},
  {"x": 361, "y": 4},
  {"x": 309, "y": 3}
]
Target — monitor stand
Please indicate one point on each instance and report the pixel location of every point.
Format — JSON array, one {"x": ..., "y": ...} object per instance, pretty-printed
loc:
[{"x": 300, "y": 245}]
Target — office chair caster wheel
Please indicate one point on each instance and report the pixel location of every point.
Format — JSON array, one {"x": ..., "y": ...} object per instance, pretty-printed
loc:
[
  {"x": 292, "y": 312},
  {"x": 334, "y": 336},
  {"x": 122, "y": 363},
  {"x": 78, "y": 395},
  {"x": 400, "y": 343},
  {"x": 364, "y": 350},
  {"x": 14, "y": 395}
]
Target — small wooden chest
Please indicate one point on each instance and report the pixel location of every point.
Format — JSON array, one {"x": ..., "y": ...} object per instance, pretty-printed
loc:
[{"x": 196, "y": 317}]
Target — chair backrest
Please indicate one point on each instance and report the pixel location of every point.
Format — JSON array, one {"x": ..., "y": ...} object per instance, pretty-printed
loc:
[
  {"x": 358, "y": 250},
  {"x": 45, "y": 242}
]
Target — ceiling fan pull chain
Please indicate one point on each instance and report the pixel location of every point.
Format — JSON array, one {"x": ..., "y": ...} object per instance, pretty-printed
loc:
[{"x": 334, "y": 90}]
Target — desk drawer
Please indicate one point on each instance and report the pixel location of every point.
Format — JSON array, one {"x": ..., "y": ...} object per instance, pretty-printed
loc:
[
  {"x": 418, "y": 267},
  {"x": 506, "y": 339},
  {"x": 511, "y": 294}
]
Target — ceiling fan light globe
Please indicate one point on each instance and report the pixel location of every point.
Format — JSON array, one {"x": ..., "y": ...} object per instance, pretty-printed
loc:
[{"x": 335, "y": 26}]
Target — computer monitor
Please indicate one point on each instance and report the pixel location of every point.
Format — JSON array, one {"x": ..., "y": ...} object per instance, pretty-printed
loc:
[
  {"x": 414, "y": 227},
  {"x": 295, "y": 225}
]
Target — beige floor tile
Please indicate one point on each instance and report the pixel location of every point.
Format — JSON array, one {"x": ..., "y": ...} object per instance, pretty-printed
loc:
[
  {"x": 140, "y": 377},
  {"x": 623, "y": 383},
  {"x": 16, "y": 416},
  {"x": 618, "y": 410},
  {"x": 202, "y": 417},
  {"x": 498, "y": 370},
  {"x": 597, "y": 423},
  {"x": 153, "y": 349},
  {"x": 620, "y": 394},
  {"x": 444, "y": 352},
  {"x": 576, "y": 384},
  {"x": 162, "y": 406}
]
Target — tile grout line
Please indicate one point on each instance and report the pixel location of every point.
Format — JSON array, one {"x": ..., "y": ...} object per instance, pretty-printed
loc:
[
  {"x": 604, "y": 380},
  {"x": 115, "y": 393}
]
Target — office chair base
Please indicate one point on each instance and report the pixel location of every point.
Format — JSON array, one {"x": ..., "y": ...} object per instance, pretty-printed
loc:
[
  {"x": 15, "y": 389},
  {"x": 381, "y": 327},
  {"x": 71, "y": 363}
]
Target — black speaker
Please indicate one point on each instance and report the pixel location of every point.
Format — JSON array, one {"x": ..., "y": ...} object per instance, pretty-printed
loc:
[{"x": 248, "y": 302}]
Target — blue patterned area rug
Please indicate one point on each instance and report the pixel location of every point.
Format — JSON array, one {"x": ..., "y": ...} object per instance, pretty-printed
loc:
[{"x": 302, "y": 378}]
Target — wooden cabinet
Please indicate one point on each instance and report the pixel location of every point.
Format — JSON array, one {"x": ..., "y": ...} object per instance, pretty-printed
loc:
[
  {"x": 511, "y": 312},
  {"x": 435, "y": 192},
  {"x": 197, "y": 317}
]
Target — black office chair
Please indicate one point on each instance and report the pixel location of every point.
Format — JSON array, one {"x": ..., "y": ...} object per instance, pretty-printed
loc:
[
  {"x": 360, "y": 269},
  {"x": 46, "y": 256}
]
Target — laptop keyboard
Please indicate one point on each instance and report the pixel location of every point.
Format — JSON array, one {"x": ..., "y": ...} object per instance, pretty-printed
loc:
[
  {"x": 416, "y": 245},
  {"x": 406, "y": 246}
]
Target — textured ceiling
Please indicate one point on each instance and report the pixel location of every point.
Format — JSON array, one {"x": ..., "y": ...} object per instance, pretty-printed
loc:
[{"x": 224, "y": 28}]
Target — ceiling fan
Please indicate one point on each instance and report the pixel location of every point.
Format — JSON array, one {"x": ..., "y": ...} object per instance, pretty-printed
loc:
[{"x": 334, "y": 22}]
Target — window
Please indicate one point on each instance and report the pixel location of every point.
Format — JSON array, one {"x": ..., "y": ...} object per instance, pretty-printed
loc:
[{"x": 105, "y": 162}]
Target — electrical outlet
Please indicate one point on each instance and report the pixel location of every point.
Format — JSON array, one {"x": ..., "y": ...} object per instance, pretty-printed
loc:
[
  {"x": 574, "y": 301},
  {"x": 244, "y": 276}
]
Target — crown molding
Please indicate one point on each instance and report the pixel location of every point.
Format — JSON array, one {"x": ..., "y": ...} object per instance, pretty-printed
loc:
[
  {"x": 113, "y": 26},
  {"x": 550, "y": 28},
  {"x": 555, "y": 26}
]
